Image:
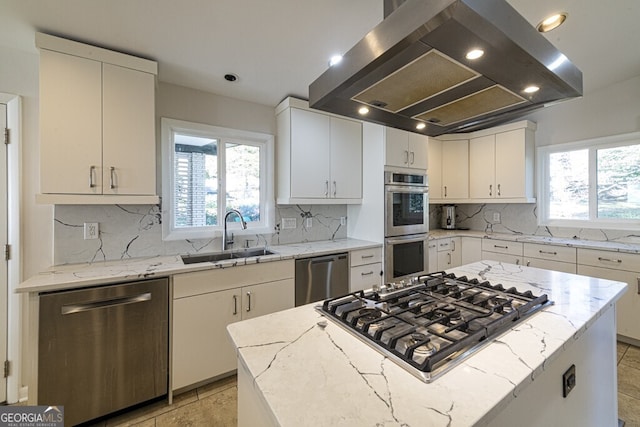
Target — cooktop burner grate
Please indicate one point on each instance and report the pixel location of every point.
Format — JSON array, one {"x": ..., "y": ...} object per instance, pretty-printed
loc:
[{"x": 433, "y": 322}]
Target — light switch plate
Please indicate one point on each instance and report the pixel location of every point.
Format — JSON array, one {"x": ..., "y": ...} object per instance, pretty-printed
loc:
[
  {"x": 496, "y": 217},
  {"x": 308, "y": 222},
  {"x": 91, "y": 230},
  {"x": 289, "y": 223}
]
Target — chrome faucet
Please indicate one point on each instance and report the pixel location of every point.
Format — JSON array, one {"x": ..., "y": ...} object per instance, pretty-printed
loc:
[{"x": 226, "y": 241}]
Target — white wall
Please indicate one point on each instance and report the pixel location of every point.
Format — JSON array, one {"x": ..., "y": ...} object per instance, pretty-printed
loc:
[{"x": 611, "y": 110}]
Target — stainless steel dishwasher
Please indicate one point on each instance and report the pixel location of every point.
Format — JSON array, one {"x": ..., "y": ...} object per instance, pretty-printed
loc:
[
  {"x": 322, "y": 277},
  {"x": 103, "y": 349}
]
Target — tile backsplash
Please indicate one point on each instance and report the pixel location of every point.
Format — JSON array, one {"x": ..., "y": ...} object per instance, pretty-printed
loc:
[
  {"x": 129, "y": 231},
  {"x": 522, "y": 219}
]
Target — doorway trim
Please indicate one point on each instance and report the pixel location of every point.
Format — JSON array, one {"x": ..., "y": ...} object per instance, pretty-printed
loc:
[{"x": 14, "y": 267}]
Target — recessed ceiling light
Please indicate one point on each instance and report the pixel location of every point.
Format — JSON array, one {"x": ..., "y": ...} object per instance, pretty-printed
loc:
[
  {"x": 531, "y": 89},
  {"x": 363, "y": 110},
  {"x": 551, "y": 22},
  {"x": 230, "y": 77},
  {"x": 475, "y": 54},
  {"x": 421, "y": 126},
  {"x": 335, "y": 59}
]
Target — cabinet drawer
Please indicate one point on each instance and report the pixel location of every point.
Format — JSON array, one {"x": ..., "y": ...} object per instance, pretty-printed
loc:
[
  {"x": 550, "y": 252},
  {"x": 614, "y": 260},
  {"x": 508, "y": 258},
  {"x": 445, "y": 245},
  {"x": 365, "y": 277},
  {"x": 502, "y": 247},
  {"x": 202, "y": 282},
  {"x": 365, "y": 256},
  {"x": 565, "y": 267}
]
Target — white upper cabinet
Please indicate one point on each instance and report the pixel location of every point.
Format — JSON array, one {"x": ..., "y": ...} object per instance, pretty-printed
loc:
[
  {"x": 405, "y": 149},
  {"x": 434, "y": 170},
  {"x": 455, "y": 169},
  {"x": 97, "y": 125},
  {"x": 501, "y": 165},
  {"x": 319, "y": 156}
]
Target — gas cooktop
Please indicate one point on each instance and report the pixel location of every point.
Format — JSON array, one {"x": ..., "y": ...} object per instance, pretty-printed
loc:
[{"x": 429, "y": 324}]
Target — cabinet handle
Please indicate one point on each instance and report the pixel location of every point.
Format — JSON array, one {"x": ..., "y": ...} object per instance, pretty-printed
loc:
[
  {"x": 335, "y": 188},
  {"x": 548, "y": 252},
  {"x": 366, "y": 256},
  {"x": 449, "y": 255},
  {"x": 406, "y": 157},
  {"x": 517, "y": 261},
  {"x": 638, "y": 280},
  {"x": 367, "y": 274},
  {"x": 92, "y": 172},
  {"x": 528, "y": 263},
  {"x": 498, "y": 189},
  {"x": 453, "y": 242},
  {"x": 501, "y": 247},
  {"x": 326, "y": 189},
  {"x": 445, "y": 191},
  {"x": 413, "y": 157},
  {"x": 235, "y": 305},
  {"x": 248, "y": 301},
  {"x": 112, "y": 181},
  {"x": 619, "y": 261},
  {"x": 490, "y": 190}
]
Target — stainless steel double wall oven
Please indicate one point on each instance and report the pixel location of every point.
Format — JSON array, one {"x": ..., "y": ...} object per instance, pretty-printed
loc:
[{"x": 406, "y": 225}]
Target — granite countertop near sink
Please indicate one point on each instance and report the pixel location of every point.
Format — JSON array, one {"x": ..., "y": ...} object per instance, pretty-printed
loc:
[
  {"x": 545, "y": 240},
  {"x": 72, "y": 276}
]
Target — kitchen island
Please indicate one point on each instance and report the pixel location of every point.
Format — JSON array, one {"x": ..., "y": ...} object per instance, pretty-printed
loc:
[{"x": 297, "y": 368}]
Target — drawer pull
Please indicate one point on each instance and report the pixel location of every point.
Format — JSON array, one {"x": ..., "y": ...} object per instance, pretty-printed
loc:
[
  {"x": 235, "y": 305},
  {"x": 548, "y": 252},
  {"x": 249, "y": 301},
  {"x": 367, "y": 274},
  {"x": 366, "y": 256},
  {"x": 638, "y": 280},
  {"x": 528, "y": 263},
  {"x": 619, "y": 261},
  {"x": 501, "y": 247}
]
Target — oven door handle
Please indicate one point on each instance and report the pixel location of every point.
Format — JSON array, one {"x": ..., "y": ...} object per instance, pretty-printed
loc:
[
  {"x": 396, "y": 240},
  {"x": 406, "y": 189}
]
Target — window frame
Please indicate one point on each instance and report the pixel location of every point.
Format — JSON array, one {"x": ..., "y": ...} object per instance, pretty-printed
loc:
[
  {"x": 267, "y": 202},
  {"x": 592, "y": 145}
]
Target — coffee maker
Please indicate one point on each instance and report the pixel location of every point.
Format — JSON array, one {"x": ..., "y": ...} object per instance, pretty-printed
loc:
[{"x": 448, "y": 217}]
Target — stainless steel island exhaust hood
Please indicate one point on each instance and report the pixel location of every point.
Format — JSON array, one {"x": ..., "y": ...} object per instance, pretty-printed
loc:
[{"x": 412, "y": 72}]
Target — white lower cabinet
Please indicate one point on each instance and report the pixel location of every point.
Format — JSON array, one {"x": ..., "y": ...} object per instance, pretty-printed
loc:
[
  {"x": 205, "y": 302},
  {"x": 449, "y": 253},
  {"x": 365, "y": 269},
  {"x": 622, "y": 267},
  {"x": 550, "y": 257},
  {"x": 502, "y": 251},
  {"x": 433, "y": 256},
  {"x": 470, "y": 250}
]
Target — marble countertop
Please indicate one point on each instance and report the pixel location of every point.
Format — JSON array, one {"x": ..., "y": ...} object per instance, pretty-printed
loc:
[
  {"x": 310, "y": 375},
  {"x": 88, "y": 274},
  {"x": 546, "y": 240}
]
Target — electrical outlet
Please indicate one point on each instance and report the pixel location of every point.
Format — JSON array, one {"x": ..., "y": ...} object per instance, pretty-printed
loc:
[
  {"x": 289, "y": 223},
  {"x": 343, "y": 220},
  {"x": 496, "y": 217},
  {"x": 91, "y": 230},
  {"x": 308, "y": 223}
]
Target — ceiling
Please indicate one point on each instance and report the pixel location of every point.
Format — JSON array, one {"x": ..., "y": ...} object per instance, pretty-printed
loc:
[{"x": 278, "y": 47}]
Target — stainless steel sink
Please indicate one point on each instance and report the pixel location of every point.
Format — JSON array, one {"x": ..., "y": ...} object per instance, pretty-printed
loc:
[{"x": 221, "y": 256}]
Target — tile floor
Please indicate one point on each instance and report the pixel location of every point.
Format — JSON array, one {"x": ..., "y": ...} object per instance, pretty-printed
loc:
[{"x": 215, "y": 405}]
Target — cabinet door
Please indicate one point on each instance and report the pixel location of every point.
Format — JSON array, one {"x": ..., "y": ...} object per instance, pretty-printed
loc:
[
  {"x": 482, "y": 167},
  {"x": 455, "y": 169},
  {"x": 434, "y": 169},
  {"x": 433, "y": 256},
  {"x": 128, "y": 136},
  {"x": 471, "y": 250},
  {"x": 628, "y": 306},
  {"x": 364, "y": 277},
  {"x": 70, "y": 124},
  {"x": 266, "y": 298},
  {"x": 418, "y": 151},
  {"x": 456, "y": 252},
  {"x": 510, "y": 164},
  {"x": 396, "y": 147},
  {"x": 201, "y": 347},
  {"x": 310, "y": 136},
  {"x": 346, "y": 159}
]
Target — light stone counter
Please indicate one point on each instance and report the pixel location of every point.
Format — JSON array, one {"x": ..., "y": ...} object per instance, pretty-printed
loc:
[
  {"x": 97, "y": 273},
  {"x": 612, "y": 246},
  {"x": 294, "y": 372}
]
